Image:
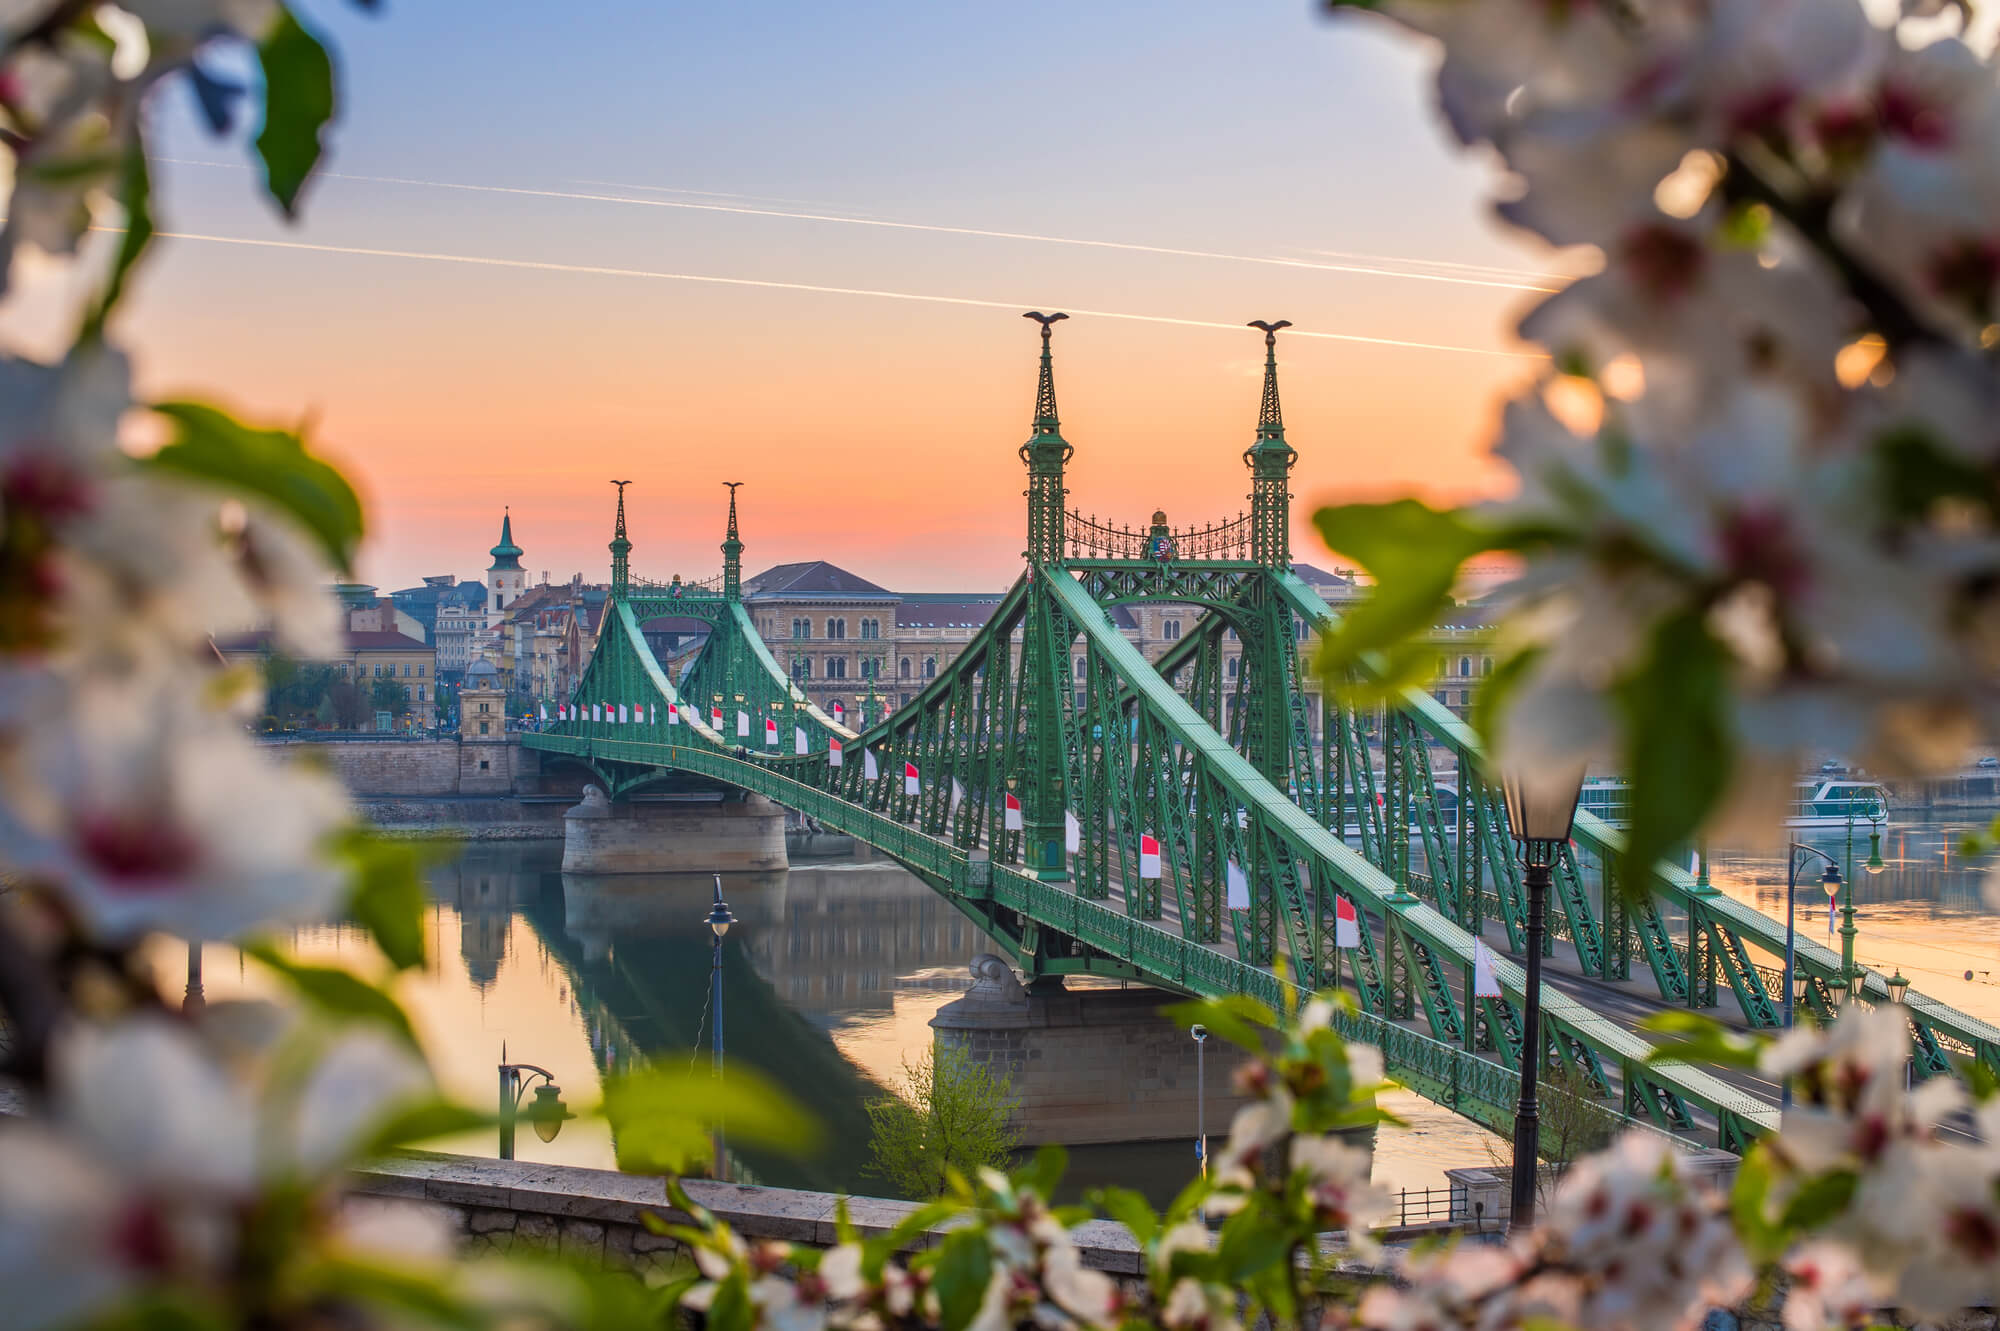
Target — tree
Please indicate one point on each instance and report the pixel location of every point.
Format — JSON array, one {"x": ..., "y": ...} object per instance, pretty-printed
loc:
[
  {"x": 1574, "y": 1124},
  {"x": 388, "y": 696},
  {"x": 954, "y": 1113}
]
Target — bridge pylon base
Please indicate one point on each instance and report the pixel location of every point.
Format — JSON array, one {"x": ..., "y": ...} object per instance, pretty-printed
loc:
[{"x": 728, "y": 835}]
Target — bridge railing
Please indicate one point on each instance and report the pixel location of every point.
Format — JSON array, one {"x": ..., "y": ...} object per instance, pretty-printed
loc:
[{"x": 1087, "y": 538}]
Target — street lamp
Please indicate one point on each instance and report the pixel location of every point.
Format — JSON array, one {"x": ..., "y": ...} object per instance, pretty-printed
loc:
[
  {"x": 1899, "y": 987},
  {"x": 194, "y": 1000},
  {"x": 719, "y": 920},
  {"x": 1793, "y": 989},
  {"x": 1200, "y": 1034},
  {"x": 546, "y": 1114},
  {"x": 1541, "y": 807}
]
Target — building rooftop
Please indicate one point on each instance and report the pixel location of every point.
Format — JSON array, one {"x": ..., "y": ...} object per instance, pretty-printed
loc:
[
  {"x": 813, "y": 578},
  {"x": 367, "y": 641},
  {"x": 935, "y": 610},
  {"x": 1314, "y": 576}
]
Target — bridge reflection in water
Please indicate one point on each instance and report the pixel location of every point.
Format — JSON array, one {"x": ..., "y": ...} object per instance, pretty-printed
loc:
[{"x": 830, "y": 978}]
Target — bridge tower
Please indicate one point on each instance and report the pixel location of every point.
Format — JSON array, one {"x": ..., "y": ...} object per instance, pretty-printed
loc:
[
  {"x": 1270, "y": 460},
  {"x": 621, "y": 549},
  {"x": 1044, "y": 649},
  {"x": 732, "y": 551}
]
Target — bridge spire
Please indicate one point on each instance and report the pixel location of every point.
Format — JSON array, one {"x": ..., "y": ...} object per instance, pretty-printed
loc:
[
  {"x": 1270, "y": 460},
  {"x": 621, "y": 548},
  {"x": 1045, "y": 453},
  {"x": 732, "y": 551}
]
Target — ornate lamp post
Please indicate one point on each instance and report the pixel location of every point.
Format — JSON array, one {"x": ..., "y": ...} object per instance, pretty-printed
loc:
[
  {"x": 547, "y": 1113},
  {"x": 719, "y": 920},
  {"x": 1541, "y": 807},
  {"x": 1795, "y": 982}
]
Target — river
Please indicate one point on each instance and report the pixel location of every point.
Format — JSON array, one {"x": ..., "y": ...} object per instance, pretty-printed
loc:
[{"x": 834, "y": 970}]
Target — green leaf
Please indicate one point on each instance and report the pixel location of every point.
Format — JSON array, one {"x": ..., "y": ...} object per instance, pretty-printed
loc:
[
  {"x": 1981, "y": 1082},
  {"x": 273, "y": 465},
  {"x": 662, "y": 1116},
  {"x": 387, "y": 895},
  {"x": 421, "y": 1122},
  {"x": 298, "y": 103},
  {"x": 1916, "y": 471},
  {"x": 1252, "y": 1241},
  {"x": 1044, "y": 1172},
  {"x": 412, "y": 1297},
  {"x": 1820, "y": 1200},
  {"x": 135, "y": 193},
  {"x": 1234, "y": 1017},
  {"x": 1759, "y": 1236},
  {"x": 731, "y": 1309},
  {"x": 1694, "y": 1038},
  {"x": 1679, "y": 749},
  {"x": 1129, "y": 1209},
  {"x": 964, "y": 1265},
  {"x": 1414, "y": 552},
  {"x": 339, "y": 992}
]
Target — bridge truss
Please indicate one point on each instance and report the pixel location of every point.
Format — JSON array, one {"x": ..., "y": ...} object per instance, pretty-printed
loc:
[{"x": 1021, "y": 781}]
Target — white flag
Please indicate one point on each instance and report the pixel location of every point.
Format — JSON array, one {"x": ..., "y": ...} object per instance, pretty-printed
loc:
[
  {"x": 799, "y": 739},
  {"x": 544, "y": 709},
  {"x": 957, "y": 794},
  {"x": 742, "y": 725},
  {"x": 1484, "y": 983},
  {"x": 1072, "y": 833},
  {"x": 653, "y": 713},
  {"x": 833, "y": 753},
  {"x": 1013, "y": 812},
  {"x": 673, "y": 714},
  {"x": 1149, "y": 855},
  {"x": 910, "y": 783},
  {"x": 1238, "y": 897},
  {"x": 594, "y": 712},
  {"x": 1346, "y": 924},
  {"x": 770, "y": 732},
  {"x": 622, "y": 718},
  {"x": 868, "y": 768}
]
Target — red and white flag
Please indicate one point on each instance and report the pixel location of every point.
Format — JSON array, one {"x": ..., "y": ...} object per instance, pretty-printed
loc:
[
  {"x": 1237, "y": 887},
  {"x": 910, "y": 784},
  {"x": 1484, "y": 983},
  {"x": 562, "y": 712},
  {"x": 1013, "y": 812},
  {"x": 1149, "y": 855},
  {"x": 742, "y": 724},
  {"x": 799, "y": 739},
  {"x": 673, "y": 714},
  {"x": 868, "y": 767},
  {"x": 839, "y": 712},
  {"x": 1346, "y": 924},
  {"x": 770, "y": 732},
  {"x": 833, "y": 753},
  {"x": 715, "y": 719},
  {"x": 1072, "y": 833}
]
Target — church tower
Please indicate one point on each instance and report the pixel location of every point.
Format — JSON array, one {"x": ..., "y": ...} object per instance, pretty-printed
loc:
[{"x": 504, "y": 580}]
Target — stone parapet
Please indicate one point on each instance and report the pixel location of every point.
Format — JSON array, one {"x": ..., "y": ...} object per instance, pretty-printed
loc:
[{"x": 728, "y": 835}]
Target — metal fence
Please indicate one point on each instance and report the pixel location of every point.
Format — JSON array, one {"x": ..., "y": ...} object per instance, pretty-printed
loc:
[{"x": 1448, "y": 1205}]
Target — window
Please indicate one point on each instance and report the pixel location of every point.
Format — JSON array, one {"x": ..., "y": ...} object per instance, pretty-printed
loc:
[
  {"x": 1235, "y": 664},
  {"x": 1302, "y": 629},
  {"x": 802, "y": 628},
  {"x": 1170, "y": 629},
  {"x": 836, "y": 667},
  {"x": 482, "y": 730},
  {"x": 420, "y": 693},
  {"x": 930, "y": 667},
  {"x": 802, "y": 667},
  {"x": 483, "y": 707},
  {"x": 483, "y": 764},
  {"x": 406, "y": 693},
  {"x": 903, "y": 670},
  {"x": 871, "y": 667},
  {"x": 1485, "y": 665},
  {"x": 406, "y": 670},
  {"x": 1232, "y": 635},
  {"x": 836, "y": 629},
  {"x": 906, "y": 700},
  {"x": 1082, "y": 667},
  {"x": 1079, "y": 700},
  {"x": 1465, "y": 667},
  {"x": 420, "y": 670}
]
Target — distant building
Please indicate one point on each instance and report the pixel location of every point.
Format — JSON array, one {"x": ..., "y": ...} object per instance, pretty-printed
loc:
[
  {"x": 505, "y": 581},
  {"x": 450, "y": 612},
  {"x": 367, "y": 658}
]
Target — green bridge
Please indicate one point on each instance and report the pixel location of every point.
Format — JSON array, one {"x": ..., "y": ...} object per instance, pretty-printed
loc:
[{"x": 1018, "y": 754}]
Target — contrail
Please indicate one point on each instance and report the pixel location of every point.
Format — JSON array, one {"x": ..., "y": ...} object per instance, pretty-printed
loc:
[
  {"x": 593, "y": 270},
  {"x": 1372, "y": 265}
]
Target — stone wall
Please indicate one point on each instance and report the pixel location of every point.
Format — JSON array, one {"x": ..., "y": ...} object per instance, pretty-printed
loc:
[
  {"x": 599, "y": 1214},
  {"x": 418, "y": 768},
  {"x": 741, "y": 835}
]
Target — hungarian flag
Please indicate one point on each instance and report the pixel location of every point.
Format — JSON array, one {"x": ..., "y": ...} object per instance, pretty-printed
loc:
[
  {"x": 673, "y": 714},
  {"x": 1237, "y": 896},
  {"x": 1013, "y": 818},
  {"x": 910, "y": 785},
  {"x": 715, "y": 719},
  {"x": 839, "y": 712},
  {"x": 1072, "y": 833},
  {"x": 742, "y": 724},
  {"x": 868, "y": 768},
  {"x": 1346, "y": 924},
  {"x": 833, "y": 753},
  {"x": 799, "y": 739},
  {"x": 562, "y": 712},
  {"x": 770, "y": 732},
  {"x": 1149, "y": 855},
  {"x": 1484, "y": 983}
]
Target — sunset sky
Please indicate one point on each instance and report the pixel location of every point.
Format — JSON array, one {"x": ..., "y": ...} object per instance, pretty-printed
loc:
[{"x": 538, "y": 183}]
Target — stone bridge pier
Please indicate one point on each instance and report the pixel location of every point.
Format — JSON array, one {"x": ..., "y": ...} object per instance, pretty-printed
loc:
[
  {"x": 1090, "y": 1065},
  {"x": 736, "y": 832}
]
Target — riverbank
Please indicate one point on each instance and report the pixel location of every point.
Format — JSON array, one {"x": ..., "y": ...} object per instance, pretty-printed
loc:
[{"x": 464, "y": 817}]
